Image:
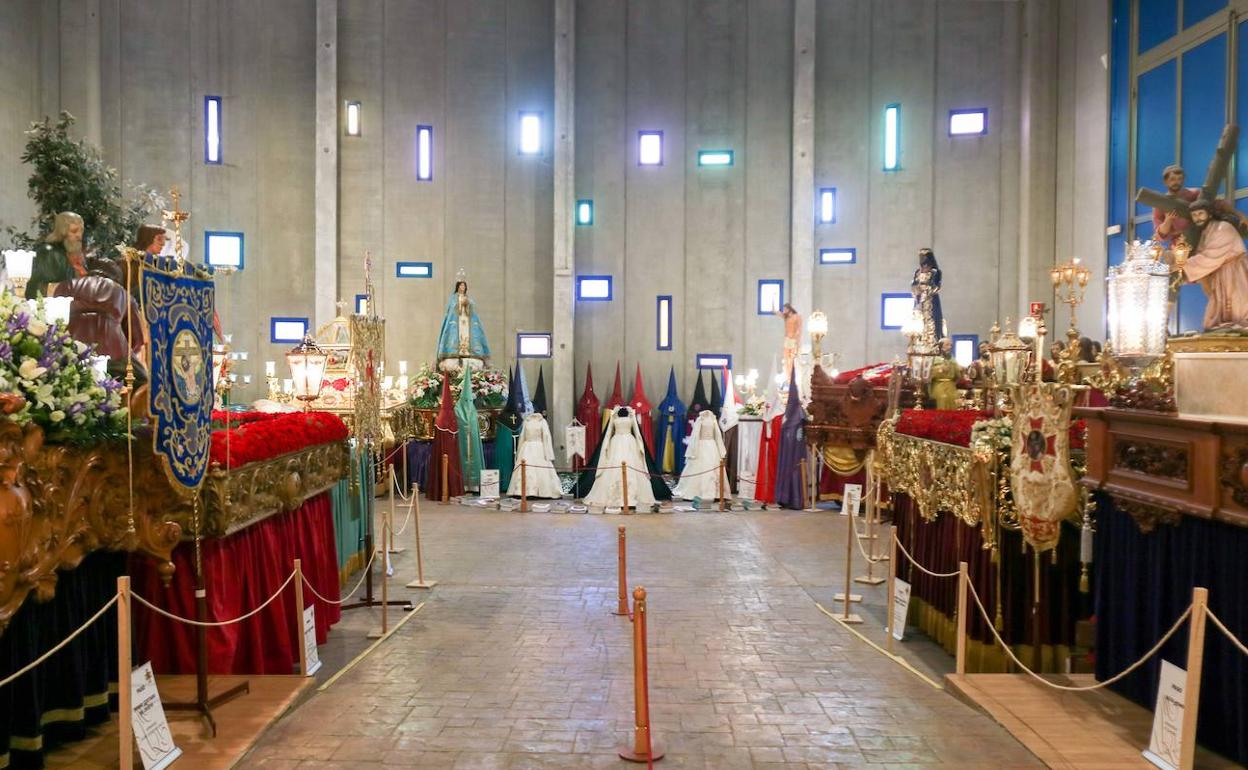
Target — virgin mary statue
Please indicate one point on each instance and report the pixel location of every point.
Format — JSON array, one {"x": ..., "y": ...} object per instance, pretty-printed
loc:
[{"x": 461, "y": 342}]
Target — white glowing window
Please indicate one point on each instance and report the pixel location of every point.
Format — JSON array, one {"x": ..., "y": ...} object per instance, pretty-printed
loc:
[
  {"x": 530, "y": 133},
  {"x": 663, "y": 329},
  {"x": 838, "y": 256},
  {"x": 287, "y": 329},
  {"x": 585, "y": 212},
  {"x": 533, "y": 345},
  {"x": 353, "y": 118},
  {"x": 714, "y": 157},
  {"x": 424, "y": 153},
  {"x": 827, "y": 206},
  {"x": 892, "y": 137},
  {"x": 770, "y": 296},
  {"x": 650, "y": 148},
  {"x": 361, "y": 304},
  {"x": 212, "y": 129},
  {"x": 413, "y": 270},
  {"x": 716, "y": 361},
  {"x": 593, "y": 288},
  {"x": 224, "y": 249},
  {"x": 895, "y": 310},
  {"x": 965, "y": 348},
  {"x": 968, "y": 122}
]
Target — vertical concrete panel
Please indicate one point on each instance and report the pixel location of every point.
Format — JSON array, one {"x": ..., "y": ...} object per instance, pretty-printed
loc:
[
  {"x": 1090, "y": 124},
  {"x": 80, "y": 65},
  {"x": 19, "y": 104}
]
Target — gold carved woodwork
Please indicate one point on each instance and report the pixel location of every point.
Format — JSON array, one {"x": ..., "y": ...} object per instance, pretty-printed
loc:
[{"x": 938, "y": 476}]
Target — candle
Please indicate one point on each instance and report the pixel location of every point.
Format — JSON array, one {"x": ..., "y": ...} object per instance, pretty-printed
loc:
[
  {"x": 270, "y": 368},
  {"x": 402, "y": 367},
  {"x": 288, "y": 386}
]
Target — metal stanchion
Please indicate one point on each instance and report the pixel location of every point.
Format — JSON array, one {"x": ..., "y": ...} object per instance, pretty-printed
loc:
[
  {"x": 892, "y": 582},
  {"x": 960, "y": 666},
  {"x": 524, "y": 486},
  {"x": 1191, "y": 689},
  {"x": 125, "y": 730},
  {"x": 622, "y": 606},
  {"x": 385, "y": 585},
  {"x": 624, "y": 475},
  {"x": 643, "y": 748},
  {"x": 446, "y": 493},
  {"x": 420, "y": 581},
  {"x": 723, "y": 474}
]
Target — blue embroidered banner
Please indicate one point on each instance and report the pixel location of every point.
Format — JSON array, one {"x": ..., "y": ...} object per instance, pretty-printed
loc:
[{"x": 177, "y": 307}]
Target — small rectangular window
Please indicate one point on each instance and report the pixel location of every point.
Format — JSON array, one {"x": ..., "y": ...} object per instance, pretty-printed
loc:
[
  {"x": 770, "y": 296},
  {"x": 530, "y": 133},
  {"x": 892, "y": 137},
  {"x": 650, "y": 148},
  {"x": 593, "y": 288},
  {"x": 715, "y": 361},
  {"x": 424, "y": 153},
  {"x": 584, "y": 212},
  {"x": 223, "y": 249},
  {"x": 895, "y": 310},
  {"x": 965, "y": 348},
  {"x": 361, "y": 304},
  {"x": 968, "y": 122},
  {"x": 663, "y": 323},
  {"x": 212, "y": 129},
  {"x": 413, "y": 270},
  {"x": 533, "y": 345},
  {"x": 838, "y": 256},
  {"x": 286, "y": 329},
  {"x": 827, "y": 206},
  {"x": 715, "y": 157},
  {"x": 353, "y": 118}
]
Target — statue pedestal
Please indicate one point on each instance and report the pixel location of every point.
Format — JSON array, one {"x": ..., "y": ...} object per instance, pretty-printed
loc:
[
  {"x": 1209, "y": 375},
  {"x": 456, "y": 365}
]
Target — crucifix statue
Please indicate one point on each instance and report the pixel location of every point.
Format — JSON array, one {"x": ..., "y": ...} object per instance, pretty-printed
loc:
[{"x": 1171, "y": 209}]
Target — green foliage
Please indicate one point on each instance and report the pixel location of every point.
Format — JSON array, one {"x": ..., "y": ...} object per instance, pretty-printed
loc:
[{"x": 71, "y": 175}]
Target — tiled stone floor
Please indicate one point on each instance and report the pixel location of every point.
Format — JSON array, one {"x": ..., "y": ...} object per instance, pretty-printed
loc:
[{"x": 516, "y": 663}]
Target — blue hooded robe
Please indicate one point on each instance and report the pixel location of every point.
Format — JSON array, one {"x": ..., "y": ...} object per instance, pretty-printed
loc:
[{"x": 669, "y": 433}]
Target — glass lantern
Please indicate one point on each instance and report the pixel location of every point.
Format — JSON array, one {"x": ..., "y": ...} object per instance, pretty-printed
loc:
[
  {"x": 818, "y": 323},
  {"x": 1009, "y": 357},
  {"x": 18, "y": 263},
  {"x": 307, "y": 370},
  {"x": 1138, "y": 292}
]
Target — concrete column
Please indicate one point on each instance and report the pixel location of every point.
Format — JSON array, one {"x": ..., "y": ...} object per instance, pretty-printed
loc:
[
  {"x": 326, "y": 190},
  {"x": 1037, "y": 177},
  {"x": 563, "y": 305},
  {"x": 79, "y": 78},
  {"x": 801, "y": 239}
]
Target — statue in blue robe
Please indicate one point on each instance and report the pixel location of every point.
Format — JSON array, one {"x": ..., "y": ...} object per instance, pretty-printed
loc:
[{"x": 462, "y": 336}]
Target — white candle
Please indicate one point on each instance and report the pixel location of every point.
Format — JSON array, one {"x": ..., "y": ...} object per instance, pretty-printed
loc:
[
  {"x": 270, "y": 368},
  {"x": 402, "y": 367}
]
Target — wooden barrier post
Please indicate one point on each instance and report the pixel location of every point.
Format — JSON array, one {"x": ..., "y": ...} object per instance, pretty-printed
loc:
[
  {"x": 420, "y": 581},
  {"x": 446, "y": 496},
  {"x": 385, "y": 585},
  {"x": 125, "y": 730},
  {"x": 805, "y": 502},
  {"x": 524, "y": 486},
  {"x": 624, "y": 476},
  {"x": 621, "y": 607},
  {"x": 1191, "y": 689},
  {"x": 892, "y": 582},
  {"x": 723, "y": 474},
  {"x": 394, "y": 485},
  {"x": 963, "y": 579},
  {"x": 303, "y": 642},
  {"x": 643, "y": 748},
  {"x": 850, "y": 534},
  {"x": 870, "y": 518}
]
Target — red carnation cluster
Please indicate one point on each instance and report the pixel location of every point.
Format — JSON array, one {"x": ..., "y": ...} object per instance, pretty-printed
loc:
[
  {"x": 948, "y": 426},
  {"x": 257, "y": 436}
]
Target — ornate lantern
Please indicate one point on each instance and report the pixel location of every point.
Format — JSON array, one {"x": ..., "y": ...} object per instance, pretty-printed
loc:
[
  {"x": 307, "y": 370},
  {"x": 818, "y": 330},
  {"x": 18, "y": 263},
  {"x": 1138, "y": 306},
  {"x": 1009, "y": 357}
]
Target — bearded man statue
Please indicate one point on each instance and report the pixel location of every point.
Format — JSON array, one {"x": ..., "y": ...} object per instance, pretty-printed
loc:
[{"x": 60, "y": 257}]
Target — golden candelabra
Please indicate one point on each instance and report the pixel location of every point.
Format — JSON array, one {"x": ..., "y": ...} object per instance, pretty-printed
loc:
[
  {"x": 1070, "y": 280},
  {"x": 176, "y": 217}
]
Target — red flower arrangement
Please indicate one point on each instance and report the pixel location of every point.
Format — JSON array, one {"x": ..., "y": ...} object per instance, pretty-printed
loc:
[
  {"x": 257, "y": 436},
  {"x": 875, "y": 375},
  {"x": 948, "y": 426}
]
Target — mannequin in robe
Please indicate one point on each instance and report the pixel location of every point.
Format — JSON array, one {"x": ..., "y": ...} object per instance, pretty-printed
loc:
[
  {"x": 470, "y": 452},
  {"x": 701, "y": 477},
  {"x": 769, "y": 448},
  {"x": 792, "y": 450},
  {"x": 603, "y": 473},
  {"x": 697, "y": 405},
  {"x": 539, "y": 395},
  {"x": 670, "y": 430},
  {"x": 644, "y": 410},
  {"x": 524, "y": 391},
  {"x": 717, "y": 393},
  {"x": 589, "y": 413},
  {"x": 537, "y": 451},
  {"x": 506, "y": 431},
  {"x": 729, "y": 416},
  {"x": 615, "y": 401},
  {"x": 445, "y": 443}
]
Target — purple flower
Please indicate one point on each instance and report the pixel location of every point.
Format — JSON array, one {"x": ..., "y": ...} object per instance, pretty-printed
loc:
[
  {"x": 106, "y": 408},
  {"x": 6, "y": 351},
  {"x": 76, "y": 408},
  {"x": 17, "y": 322}
]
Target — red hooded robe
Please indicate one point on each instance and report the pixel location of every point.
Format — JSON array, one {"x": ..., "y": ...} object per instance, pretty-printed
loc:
[
  {"x": 588, "y": 412},
  {"x": 445, "y": 442},
  {"x": 644, "y": 409}
]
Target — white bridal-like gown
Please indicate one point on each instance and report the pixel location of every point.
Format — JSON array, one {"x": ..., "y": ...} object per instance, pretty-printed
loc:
[
  {"x": 538, "y": 453},
  {"x": 622, "y": 443},
  {"x": 700, "y": 477}
]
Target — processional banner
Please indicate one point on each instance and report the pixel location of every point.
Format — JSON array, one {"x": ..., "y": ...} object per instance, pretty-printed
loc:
[
  {"x": 1040, "y": 475},
  {"x": 368, "y": 341},
  {"x": 177, "y": 310}
]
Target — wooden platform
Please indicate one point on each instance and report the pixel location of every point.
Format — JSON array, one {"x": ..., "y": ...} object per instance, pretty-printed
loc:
[
  {"x": 1098, "y": 730},
  {"x": 240, "y": 724}
]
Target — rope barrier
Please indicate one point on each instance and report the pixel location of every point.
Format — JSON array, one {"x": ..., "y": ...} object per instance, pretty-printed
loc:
[
  {"x": 923, "y": 569},
  {"x": 1010, "y": 653},
  {"x": 858, "y": 539},
  {"x": 37, "y": 661},
  {"x": 344, "y": 599},
  {"x": 406, "y": 518},
  {"x": 1226, "y": 631},
  {"x": 217, "y": 624}
]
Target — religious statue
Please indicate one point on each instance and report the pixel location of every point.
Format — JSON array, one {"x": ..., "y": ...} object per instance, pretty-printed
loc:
[
  {"x": 1170, "y": 224},
  {"x": 792, "y": 333},
  {"x": 1220, "y": 265},
  {"x": 942, "y": 385},
  {"x": 97, "y": 315},
  {"x": 60, "y": 257},
  {"x": 980, "y": 370},
  {"x": 926, "y": 290},
  {"x": 462, "y": 340}
]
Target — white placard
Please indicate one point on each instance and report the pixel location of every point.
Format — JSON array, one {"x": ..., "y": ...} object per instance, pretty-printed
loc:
[
  {"x": 1164, "y": 748},
  {"x": 310, "y": 653},
  {"x": 852, "y": 497},
  {"x": 489, "y": 483},
  {"x": 901, "y": 605},
  {"x": 574, "y": 441},
  {"x": 151, "y": 729}
]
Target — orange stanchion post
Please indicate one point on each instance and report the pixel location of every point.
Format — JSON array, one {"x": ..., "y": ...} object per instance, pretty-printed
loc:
[
  {"x": 446, "y": 497},
  {"x": 622, "y": 606},
  {"x": 643, "y": 748},
  {"x": 1191, "y": 688},
  {"x": 960, "y": 665},
  {"x": 624, "y": 476},
  {"x": 892, "y": 582},
  {"x": 723, "y": 474},
  {"x": 524, "y": 486},
  {"x": 303, "y": 647},
  {"x": 125, "y": 730},
  {"x": 420, "y": 581}
]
